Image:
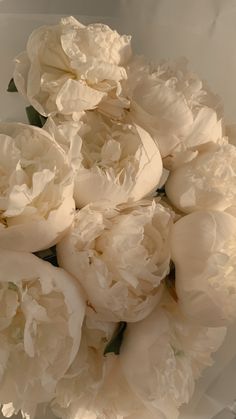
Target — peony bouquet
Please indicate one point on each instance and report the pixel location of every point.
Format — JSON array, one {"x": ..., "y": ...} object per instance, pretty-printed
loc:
[{"x": 117, "y": 230}]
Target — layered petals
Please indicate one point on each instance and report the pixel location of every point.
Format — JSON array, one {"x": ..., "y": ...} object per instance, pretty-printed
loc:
[
  {"x": 70, "y": 67},
  {"x": 207, "y": 182},
  {"x": 112, "y": 161},
  {"x": 162, "y": 356},
  {"x": 42, "y": 310},
  {"x": 120, "y": 256},
  {"x": 36, "y": 189}
]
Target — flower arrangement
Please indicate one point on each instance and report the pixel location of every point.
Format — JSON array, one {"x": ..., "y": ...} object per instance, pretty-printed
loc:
[{"x": 117, "y": 230}]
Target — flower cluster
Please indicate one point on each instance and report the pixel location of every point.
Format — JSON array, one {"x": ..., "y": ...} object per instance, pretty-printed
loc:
[{"x": 130, "y": 185}]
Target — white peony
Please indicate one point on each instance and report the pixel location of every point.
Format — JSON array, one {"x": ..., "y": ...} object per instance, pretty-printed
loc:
[
  {"x": 95, "y": 386},
  {"x": 42, "y": 309},
  {"x": 203, "y": 248},
  {"x": 36, "y": 189},
  {"x": 71, "y": 67},
  {"x": 77, "y": 390},
  {"x": 162, "y": 355},
  {"x": 175, "y": 107},
  {"x": 112, "y": 161},
  {"x": 119, "y": 255},
  {"x": 207, "y": 182}
]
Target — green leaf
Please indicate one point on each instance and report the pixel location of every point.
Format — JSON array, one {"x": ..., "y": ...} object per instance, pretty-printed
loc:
[
  {"x": 115, "y": 343},
  {"x": 34, "y": 117},
  {"x": 12, "y": 286},
  {"x": 170, "y": 282},
  {"x": 177, "y": 352},
  {"x": 161, "y": 191},
  {"x": 49, "y": 255},
  {"x": 11, "y": 86}
]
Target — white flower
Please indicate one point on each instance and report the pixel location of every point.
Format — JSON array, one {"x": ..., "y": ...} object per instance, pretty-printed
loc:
[
  {"x": 162, "y": 355},
  {"x": 112, "y": 161},
  {"x": 207, "y": 182},
  {"x": 42, "y": 310},
  {"x": 203, "y": 247},
  {"x": 70, "y": 67},
  {"x": 119, "y": 256},
  {"x": 94, "y": 386},
  {"x": 36, "y": 189},
  {"x": 176, "y": 109},
  {"x": 77, "y": 390}
]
